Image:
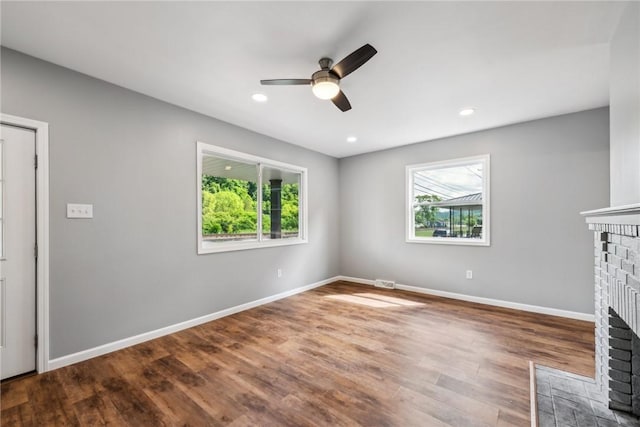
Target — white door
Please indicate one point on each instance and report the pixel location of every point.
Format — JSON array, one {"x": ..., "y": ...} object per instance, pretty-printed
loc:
[{"x": 17, "y": 251}]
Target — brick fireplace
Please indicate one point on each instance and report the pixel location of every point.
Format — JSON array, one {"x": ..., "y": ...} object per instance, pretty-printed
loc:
[{"x": 617, "y": 304}]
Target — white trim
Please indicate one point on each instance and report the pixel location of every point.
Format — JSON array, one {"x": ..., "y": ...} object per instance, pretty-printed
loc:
[
  {"x": 146, "y": 336},
  {"x": 486, "y": 202},
  {"x": 303, "y": 214},
  {"x": 618, "y": 215},
  {"x": 533, "y": 394},
  {"x": 482, "y": 300},
  {"x": 624, "y": 219},
  {"x": 615, "y": 210},
  {"x": 42, "y": 223},
  {"x": 447, "y": 241},
  {"x": 249, "y": 244},
  {"x": 358, "y": 280}
]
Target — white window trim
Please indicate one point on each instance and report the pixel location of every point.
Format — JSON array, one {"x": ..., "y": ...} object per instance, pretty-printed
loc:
[
  {"x": 486, "y": 202},
  {"x": 204, "y": 148}
]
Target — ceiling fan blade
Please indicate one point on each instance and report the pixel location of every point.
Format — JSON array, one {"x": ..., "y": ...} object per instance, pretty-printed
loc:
[
  {"x": 341, "y": 101},
  {"x": 286, "y": 82},
  {"x": 354, "y": 60}
]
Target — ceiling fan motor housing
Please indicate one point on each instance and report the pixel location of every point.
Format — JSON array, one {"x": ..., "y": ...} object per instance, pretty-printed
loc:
[{"x": 325, "y": 76}]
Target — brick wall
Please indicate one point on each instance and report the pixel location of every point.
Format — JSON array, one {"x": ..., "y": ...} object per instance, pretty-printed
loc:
[{"x": 617, "y": 303}]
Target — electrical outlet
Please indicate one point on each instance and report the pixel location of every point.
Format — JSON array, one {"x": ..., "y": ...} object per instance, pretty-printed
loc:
[
  {"x": 469, "y": 274},
  {"x": 279, "y": 272}
]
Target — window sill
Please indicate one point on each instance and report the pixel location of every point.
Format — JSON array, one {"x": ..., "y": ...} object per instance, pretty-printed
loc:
[
  {"x": 448, "y": 241},
  {"x": 213, "y": 248}
]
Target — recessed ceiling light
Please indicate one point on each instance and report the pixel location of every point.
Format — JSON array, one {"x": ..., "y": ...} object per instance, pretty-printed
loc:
[
  {"x": 351, "y": 139},
  {"x": 259, "y": 97},
  {"x": 467, "y": 111}
]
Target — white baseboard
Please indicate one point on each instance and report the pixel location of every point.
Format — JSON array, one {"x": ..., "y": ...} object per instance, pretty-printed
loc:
[
  {"x": 146, "y": 336},
  {"x": 481, "y": 300}
]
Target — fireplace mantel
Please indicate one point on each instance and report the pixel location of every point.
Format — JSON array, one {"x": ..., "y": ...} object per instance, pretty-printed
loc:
[{"x": 620, "y": 215}]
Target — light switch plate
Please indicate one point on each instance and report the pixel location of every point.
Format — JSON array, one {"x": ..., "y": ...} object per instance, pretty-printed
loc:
[{"x": 76, "y": 210}]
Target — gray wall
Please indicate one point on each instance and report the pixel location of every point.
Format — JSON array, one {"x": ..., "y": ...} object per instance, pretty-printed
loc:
[
  {"x": 543, "y": 173},
  {"x": 624, "y": 92},
  {"x": 134, "y": 268}
]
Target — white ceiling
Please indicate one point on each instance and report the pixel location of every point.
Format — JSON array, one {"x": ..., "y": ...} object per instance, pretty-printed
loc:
[{"x": 512, "y": 61}]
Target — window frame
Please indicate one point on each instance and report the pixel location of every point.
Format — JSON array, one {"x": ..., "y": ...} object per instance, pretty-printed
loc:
[
  {"x": 203, "y": 149},
  {"x": 410, "y": 236}
]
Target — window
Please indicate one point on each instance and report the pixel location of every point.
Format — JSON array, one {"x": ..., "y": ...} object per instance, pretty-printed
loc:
[
  {"x": 248, "y": 202},
  {"x": 448, "y": 202}
]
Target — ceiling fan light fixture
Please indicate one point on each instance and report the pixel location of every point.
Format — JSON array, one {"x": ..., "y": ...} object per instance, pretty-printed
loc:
[{"x": 325, "y": 87}]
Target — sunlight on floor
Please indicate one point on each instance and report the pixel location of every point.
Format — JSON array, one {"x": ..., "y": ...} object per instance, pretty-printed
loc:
[
  {"x": 375, "y": 300},
  {"x": 393, "y": 300}
]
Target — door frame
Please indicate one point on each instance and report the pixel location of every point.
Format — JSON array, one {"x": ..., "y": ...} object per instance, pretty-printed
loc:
[{"x": 41, "y": 130}]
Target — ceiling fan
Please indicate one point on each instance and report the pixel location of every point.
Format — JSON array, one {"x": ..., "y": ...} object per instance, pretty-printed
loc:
[{"x": 325, "y": 83}]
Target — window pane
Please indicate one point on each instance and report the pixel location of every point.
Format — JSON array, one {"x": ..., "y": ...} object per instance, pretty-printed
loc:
[
  {"x": 448, "y": 200},
  {"x": 280, "y": 203},
  {"x": 229, "y": 200}
]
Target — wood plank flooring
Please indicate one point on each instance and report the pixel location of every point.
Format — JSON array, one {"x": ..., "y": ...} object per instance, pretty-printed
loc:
[{"x": 343, "y": 354}]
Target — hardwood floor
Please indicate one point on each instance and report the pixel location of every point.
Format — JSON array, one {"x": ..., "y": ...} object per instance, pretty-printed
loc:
[{"x": 342, "y": 354}]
